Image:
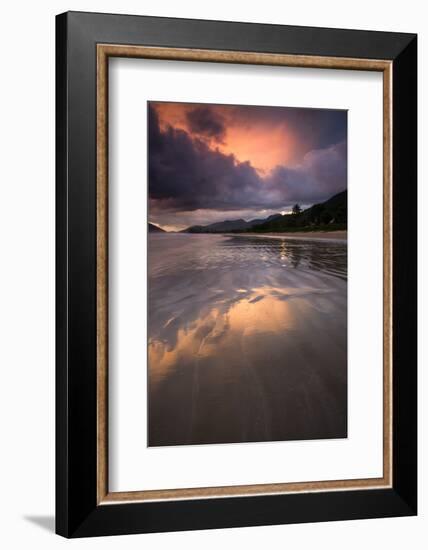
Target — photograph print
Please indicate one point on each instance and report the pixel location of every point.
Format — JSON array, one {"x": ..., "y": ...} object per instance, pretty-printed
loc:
[{"x": 247, "y": 274}]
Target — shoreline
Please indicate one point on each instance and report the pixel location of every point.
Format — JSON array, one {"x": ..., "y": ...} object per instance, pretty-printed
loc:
[{"x": 341, "y": 235}]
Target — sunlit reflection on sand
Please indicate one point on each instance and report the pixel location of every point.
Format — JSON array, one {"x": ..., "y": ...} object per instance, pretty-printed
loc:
[
  {"x": 247, "y": 340},
  {"x": 218, "y": 331}
]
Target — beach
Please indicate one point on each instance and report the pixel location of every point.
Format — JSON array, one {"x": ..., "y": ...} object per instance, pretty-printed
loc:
[
  {"x": 302, "y": 235},
  {"x": 247, "y": 339}
]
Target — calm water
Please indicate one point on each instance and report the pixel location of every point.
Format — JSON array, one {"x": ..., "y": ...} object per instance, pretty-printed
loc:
[{"x": 247, "y": 339}]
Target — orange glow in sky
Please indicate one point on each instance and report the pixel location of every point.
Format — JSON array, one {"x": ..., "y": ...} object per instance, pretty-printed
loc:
[{"x": 262, "y": 143}]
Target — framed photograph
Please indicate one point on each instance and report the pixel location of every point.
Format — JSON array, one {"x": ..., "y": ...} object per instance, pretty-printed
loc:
[{"x": 236, "y": 274}]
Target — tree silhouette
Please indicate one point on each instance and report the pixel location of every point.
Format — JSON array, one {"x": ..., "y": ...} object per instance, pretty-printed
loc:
[{"x": 296, "y": 209}]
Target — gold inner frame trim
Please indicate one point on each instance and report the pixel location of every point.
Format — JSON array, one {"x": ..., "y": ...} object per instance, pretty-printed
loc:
[{"x": 104, "y": 51}]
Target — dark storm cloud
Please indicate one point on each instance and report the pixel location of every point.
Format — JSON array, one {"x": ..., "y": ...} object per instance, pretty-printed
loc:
[
  {"x": 186, "y": 175},
  {"x": 322, "y": 173},
  {"x": 206, "y": 122}
]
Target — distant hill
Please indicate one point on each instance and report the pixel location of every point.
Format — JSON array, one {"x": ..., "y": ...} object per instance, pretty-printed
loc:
[
  {"x": 155, "y": 229},
  {"x": 252, "y": 223},
  {"x": 228, "y": 225},
  {"x": 328, "y": 215}
]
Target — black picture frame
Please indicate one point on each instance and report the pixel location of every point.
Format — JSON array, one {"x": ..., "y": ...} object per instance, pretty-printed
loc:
[{"x": 77, "y": 512}]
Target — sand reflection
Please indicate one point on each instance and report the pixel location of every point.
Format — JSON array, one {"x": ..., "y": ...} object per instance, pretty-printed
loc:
[{"x": 218, "y": 331}]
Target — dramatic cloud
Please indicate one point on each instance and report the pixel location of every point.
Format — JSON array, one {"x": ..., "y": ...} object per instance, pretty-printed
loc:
[
  {"x": 205, "y": 122},
  {"x": 322, "y": 173},
  {"x": 311, "y": 128},
  {"x": 189, "y": 174}
]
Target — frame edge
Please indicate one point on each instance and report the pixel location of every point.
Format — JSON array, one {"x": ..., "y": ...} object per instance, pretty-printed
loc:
[
  {"x": 405, "y": 274},
  {"x": 61, "y": 268}
]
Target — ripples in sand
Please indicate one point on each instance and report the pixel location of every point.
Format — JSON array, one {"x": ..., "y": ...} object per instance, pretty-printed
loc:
[{"x": 247, "y": 339}]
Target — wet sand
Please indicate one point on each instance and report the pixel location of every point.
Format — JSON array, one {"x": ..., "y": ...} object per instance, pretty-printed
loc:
[
  {"x": 247, "y": 339},
  {"x": 302, "y": 235}
]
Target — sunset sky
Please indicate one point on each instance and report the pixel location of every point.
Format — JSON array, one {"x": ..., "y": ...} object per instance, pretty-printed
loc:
[{"x": 210, "y": 163}]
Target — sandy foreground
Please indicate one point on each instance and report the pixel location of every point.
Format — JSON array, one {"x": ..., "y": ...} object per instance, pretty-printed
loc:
[
  {"x": 247, "y": 339},
  {"x": 304, "y": 235}
]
